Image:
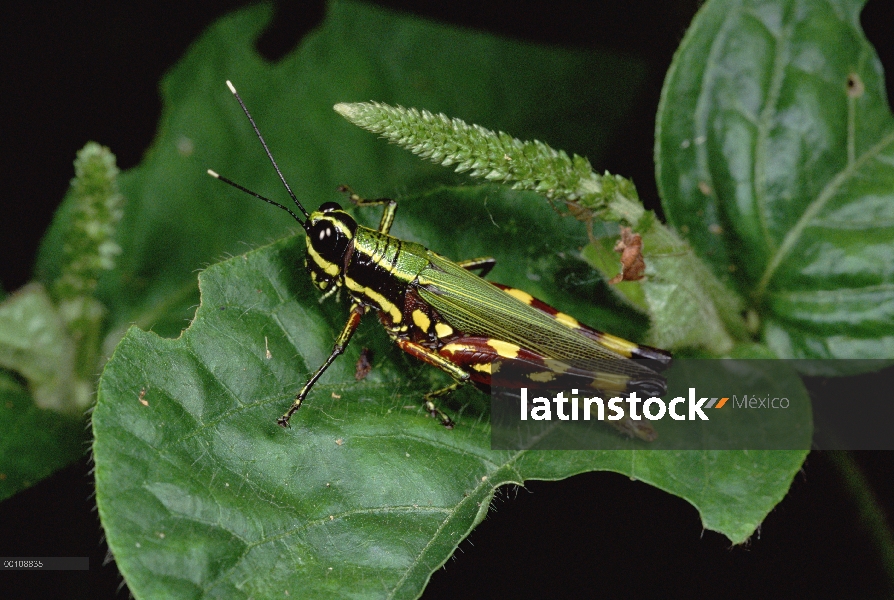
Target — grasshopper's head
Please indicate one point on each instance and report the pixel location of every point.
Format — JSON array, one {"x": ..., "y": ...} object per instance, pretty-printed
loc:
[
  {"x": 330, "y": 230},
  {"x": 330, "y": 242}
]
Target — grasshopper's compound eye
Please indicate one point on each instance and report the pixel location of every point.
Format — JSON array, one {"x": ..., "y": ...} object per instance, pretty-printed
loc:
[
  {"x": 326, "y": 249},
  {"x": 329, "y": 207},
  {"x": 329, "y": 237},
  {"x": 320, "y": 232}
]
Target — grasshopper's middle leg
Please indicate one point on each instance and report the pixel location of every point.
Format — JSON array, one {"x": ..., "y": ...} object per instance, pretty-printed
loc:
[{"x": 460, "y": 377}]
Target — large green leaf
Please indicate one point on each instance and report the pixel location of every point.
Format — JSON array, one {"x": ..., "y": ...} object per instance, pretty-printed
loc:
[
  {"x": 775, "y": 157},
  {"x": 178, "y": 220},
  {"x": 201, "y": 493}
]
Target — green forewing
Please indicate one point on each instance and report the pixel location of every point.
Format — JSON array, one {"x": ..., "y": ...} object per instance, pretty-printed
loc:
[{"x": 476, "y": 307}]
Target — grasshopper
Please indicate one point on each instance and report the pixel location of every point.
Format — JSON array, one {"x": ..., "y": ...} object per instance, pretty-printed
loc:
[{"x": 446, "y": 314}]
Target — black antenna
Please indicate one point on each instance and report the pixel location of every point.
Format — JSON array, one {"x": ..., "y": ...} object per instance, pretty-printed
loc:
[
  {"x": 255, "y": 194},
  {"x": 272, "y": 160}
]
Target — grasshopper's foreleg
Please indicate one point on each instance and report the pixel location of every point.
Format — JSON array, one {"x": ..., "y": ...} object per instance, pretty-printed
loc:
[
  {"x": 357, "y": 312},
  {"x": 387, "y": 215}
]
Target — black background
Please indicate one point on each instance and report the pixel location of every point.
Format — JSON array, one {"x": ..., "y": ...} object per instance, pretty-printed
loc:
[{"x": 72, "y": 74}]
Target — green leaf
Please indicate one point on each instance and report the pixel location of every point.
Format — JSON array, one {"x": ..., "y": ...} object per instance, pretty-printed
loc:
[
  {"x": 775, "y": 146},
  {"x": 690, "y": 309},
  {"x": 35, "y": 442},
  {"x": 178, "y": 220},
  {"x": 201, "y": 493}
]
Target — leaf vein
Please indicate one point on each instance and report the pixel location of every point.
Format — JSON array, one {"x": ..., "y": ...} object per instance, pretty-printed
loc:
[{"x": 814, "y": 208}]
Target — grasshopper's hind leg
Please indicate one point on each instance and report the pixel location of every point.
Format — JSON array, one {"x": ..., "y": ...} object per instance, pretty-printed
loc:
[
  {"x": 432, "y": 408},
  {"x": 483, "y": 265}
]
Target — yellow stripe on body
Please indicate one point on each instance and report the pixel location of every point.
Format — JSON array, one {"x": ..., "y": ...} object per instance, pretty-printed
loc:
[
  {"x": 327, "y": 267},
  {"x": 457, "y": 348},
  {"x": 529, "y": 300},
  {"x": 376, "y": 297}
]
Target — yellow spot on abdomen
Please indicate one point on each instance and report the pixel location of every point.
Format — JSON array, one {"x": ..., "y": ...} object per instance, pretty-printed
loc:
[
  {"x": 556, "y": 366},
  {"x": 567, "y": 320},
  {"x": 542, "y": 377},
  {"x": 609, "y": 382},
  {"x": 442, "y": 330},
  {"x": 523, "y": 296},
  {"x": 482, "y": 367},
  {"x": 421, "y": 320},
  {"x": 619, "y": 345}
]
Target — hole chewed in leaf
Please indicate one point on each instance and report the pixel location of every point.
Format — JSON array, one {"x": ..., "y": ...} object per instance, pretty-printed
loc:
[{"x": 855, "y": 86}]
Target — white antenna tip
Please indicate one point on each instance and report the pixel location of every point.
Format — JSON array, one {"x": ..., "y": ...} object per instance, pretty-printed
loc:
[
  {"x": 230, "y": 85},
  {"x": 213, "y": 174}
]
